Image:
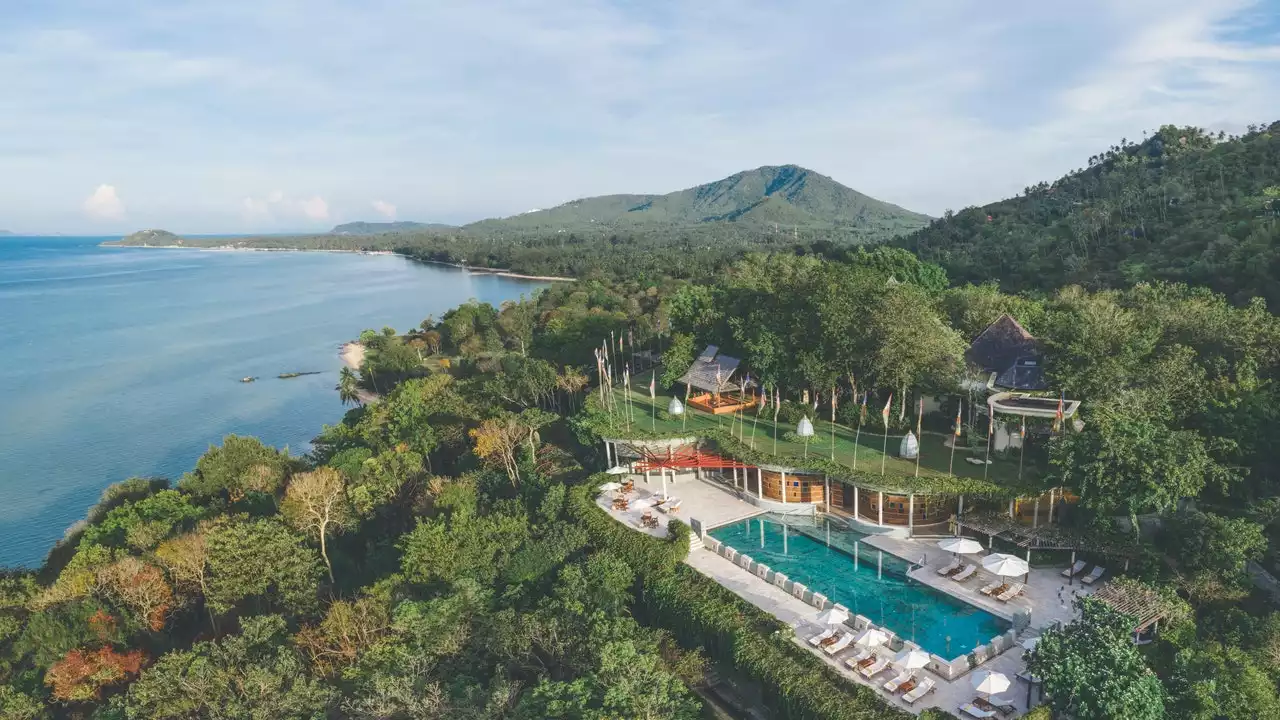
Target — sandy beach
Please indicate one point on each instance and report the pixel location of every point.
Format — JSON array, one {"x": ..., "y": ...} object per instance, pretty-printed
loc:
[{"x": 352, "y": 355}]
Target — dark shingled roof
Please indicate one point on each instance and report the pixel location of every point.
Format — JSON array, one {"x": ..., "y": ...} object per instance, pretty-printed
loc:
[
  {"x": 702, "y": 373},
  {"x": 1007, "y": 349}
]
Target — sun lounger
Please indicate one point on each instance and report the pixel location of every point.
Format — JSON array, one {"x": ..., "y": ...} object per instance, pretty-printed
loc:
[
  {"x": 948, "y": 569},
  {"x": 974, "y": 711},
  {"x": 816, "y": 640},
  {"x": 1075, "y": 569},
  {"x": 1011, "y": 592},
  {"x": 925, "y": 687},
  {"x": 1002, "y": 703},
  {"x": 855, "y": 661},
  {"x": 994, "y": 588},
  {"x": 838, "y": 645},
  {"x": 874, "y": 668},
  {"x": 1093, "y": 576},
  {"x": 965, "y": 574},
  {"x": 893, "y": 685}
]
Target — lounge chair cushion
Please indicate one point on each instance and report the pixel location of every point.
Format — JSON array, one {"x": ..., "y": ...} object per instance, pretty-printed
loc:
[
  {"x": 976, "y": 712},
  {"x": 1075, "y": 569},
  {"x": 925, "y": 687}
]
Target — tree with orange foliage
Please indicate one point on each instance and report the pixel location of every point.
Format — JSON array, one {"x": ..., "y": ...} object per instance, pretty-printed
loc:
[
  {"x": 81, "y": 675},
  {"x": 139, "y": 586},
  {"x": 316, "y": 503}
]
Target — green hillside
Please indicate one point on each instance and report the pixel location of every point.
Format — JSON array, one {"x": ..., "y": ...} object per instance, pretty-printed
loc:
[
  {"x": 788, "y": 195},
  {"x": 1181, "y": 205},
  {"x": 686, "y": 234}
]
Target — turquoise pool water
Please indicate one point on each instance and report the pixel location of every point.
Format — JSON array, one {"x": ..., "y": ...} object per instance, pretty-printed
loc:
[{"x": 826, "y": 556}]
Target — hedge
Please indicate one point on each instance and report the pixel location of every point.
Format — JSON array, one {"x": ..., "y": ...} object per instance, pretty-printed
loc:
[
  {"x": 699, "y": 612},
  {"x": 644, "y": 553}
]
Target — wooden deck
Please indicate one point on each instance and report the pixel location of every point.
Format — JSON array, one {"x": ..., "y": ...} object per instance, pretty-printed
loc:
[{"x": 723, "y": 404}]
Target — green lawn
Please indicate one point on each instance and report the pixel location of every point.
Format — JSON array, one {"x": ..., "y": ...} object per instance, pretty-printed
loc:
[{"x": 934, "y": 454}]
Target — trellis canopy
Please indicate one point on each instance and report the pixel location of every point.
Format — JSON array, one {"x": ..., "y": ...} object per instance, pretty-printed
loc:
[{"x": 713, "y": 372}]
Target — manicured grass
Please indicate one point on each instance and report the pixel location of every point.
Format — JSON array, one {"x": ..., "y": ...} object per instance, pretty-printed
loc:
[{"x": 759, "y": 432}]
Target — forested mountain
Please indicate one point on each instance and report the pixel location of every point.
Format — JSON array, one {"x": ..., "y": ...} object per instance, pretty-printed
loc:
[
  {"x": 788, "y": 195},
  {"x": 376, "y": 228},
  {"x": 1182, "y": 204},
  {"x": 684, "y": 234}
]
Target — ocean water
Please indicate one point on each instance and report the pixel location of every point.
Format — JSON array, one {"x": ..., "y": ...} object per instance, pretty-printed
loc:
[
  {"x": 121, "y": 362},
  {"x": 828, "y": 558}
]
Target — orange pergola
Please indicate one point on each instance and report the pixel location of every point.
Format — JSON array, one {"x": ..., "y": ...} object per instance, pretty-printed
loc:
[{"x": 686, "y": 458}]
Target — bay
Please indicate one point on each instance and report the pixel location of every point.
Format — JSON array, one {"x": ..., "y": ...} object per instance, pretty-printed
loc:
[{"x": 122, "y": 362}]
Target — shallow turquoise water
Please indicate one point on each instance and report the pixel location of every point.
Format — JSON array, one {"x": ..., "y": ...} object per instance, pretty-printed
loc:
[
  {"x": 869, "y": 583},
  {"x": 125, "y": 361}
]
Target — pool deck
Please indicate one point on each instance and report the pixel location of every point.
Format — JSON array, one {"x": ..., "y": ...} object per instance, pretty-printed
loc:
[
  {"x": 701, "y": 499},
  {"x": 1047, "y": 598},
  {"x": 800, "y": 615}
]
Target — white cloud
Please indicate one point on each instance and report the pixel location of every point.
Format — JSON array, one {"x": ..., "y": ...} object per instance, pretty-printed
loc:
[
  {"x": 104, "y": 204},
  {"x": 278, "y": 207},
  {"x": 955, "y": 103},
  {"x": 315, "y": 208},
  {"x": 385, "y": 209}
]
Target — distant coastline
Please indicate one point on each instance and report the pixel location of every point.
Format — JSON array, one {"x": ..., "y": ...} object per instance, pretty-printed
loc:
[{"x": 497, "y": 272}]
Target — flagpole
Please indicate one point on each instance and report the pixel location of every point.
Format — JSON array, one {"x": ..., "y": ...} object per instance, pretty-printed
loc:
[
  {"x": 756, "y": 417},
  {"x": 884, "y": 415},
  {"x": 857, "y": 435},
  {"x": 991, "y": 429},
  {"x": 955, "y": 438},
  {"x": 684, "y": 417},
  {"x": 884, "y": 452},
  {"x": 833, "y": 422},
  {"x": 777, "y": 400},
  {"x": 1022, "y": 452},
  {"x": 919, "y": 434}
]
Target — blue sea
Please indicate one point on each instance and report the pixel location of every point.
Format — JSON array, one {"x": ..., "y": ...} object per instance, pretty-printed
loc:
[{"x": 122, "y": 362}]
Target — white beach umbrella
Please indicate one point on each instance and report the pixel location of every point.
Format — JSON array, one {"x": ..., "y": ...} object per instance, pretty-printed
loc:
[
  {"x": 989, "y": 682},
  {"x": 911, "y": 659},
  {"x": 1005, "y": 565},
  {"x": 833, "y": 616},
  {"x": 871, "y": 637},
  {"x": 618, "y": 470},
  {"x": 960, "y": 545}
]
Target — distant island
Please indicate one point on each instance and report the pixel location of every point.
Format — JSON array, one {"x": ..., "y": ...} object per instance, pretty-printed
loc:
[
  {"x": 150, "y": 238},
  {"x": 4, "y": 233},
  {"x": 379, "y": 228}
]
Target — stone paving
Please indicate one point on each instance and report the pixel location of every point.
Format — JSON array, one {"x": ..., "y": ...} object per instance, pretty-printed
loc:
[
  {"x": 701, "y": 499},
  {"x": 801, "y": 617},
  {"x": 1047, "y": 599}
]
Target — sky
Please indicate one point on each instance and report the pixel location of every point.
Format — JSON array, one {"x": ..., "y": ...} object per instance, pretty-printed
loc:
[{"x": 291, "y": 115}]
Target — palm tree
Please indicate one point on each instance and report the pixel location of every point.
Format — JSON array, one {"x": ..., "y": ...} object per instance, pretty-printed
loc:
[{"x": 348, "y": 387}]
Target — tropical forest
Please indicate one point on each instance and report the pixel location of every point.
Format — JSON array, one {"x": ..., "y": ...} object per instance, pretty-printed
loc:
[{"x": 440, "y": 551}]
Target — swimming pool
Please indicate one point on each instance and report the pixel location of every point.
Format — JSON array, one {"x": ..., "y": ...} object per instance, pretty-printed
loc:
[{"x": 827, "y": 557}]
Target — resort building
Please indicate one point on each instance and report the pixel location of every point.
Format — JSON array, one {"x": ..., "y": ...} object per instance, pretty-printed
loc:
[
  {"x": 1009, "y": 355},
  {"x": 813, "y": 516}
]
